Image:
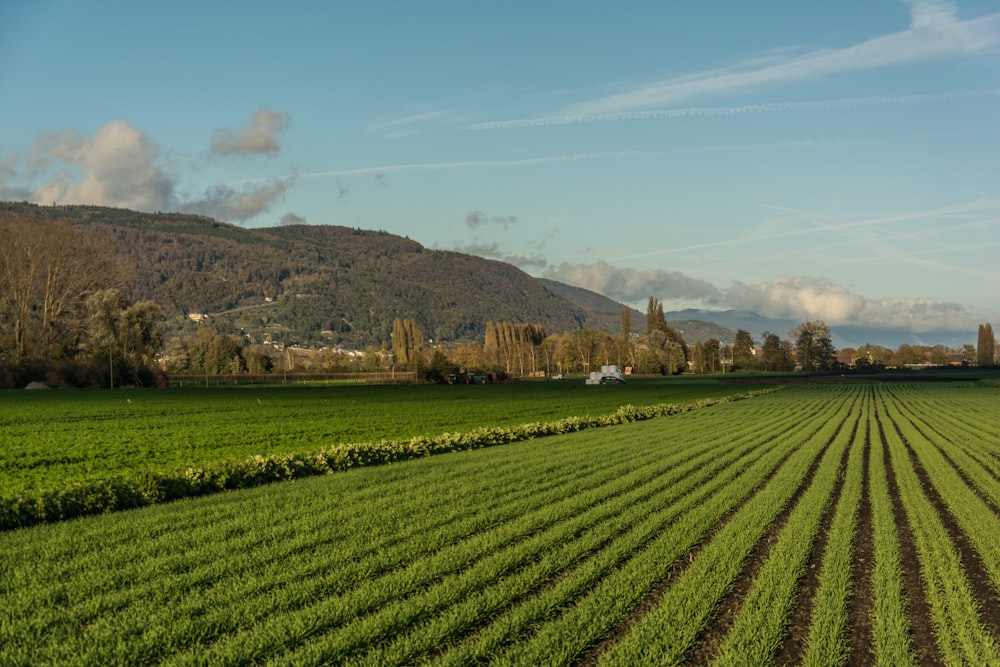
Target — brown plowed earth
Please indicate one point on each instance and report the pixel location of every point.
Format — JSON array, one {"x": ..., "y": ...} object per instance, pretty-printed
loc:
[
  {"x": 801, "y": 616},
  {"x": 717, "y": 627},
  {"x": 862, "y": 600},
  {"x": 592, "y": 655},
  {"x": 919, "y": 612},
  {"x": 979, "y": 579}
]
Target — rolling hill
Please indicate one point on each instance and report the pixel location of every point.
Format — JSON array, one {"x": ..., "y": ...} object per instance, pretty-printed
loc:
[{"x": 307, "y": 284}]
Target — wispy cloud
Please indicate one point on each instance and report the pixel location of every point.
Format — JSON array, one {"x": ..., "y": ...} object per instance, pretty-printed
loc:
[
  {"x": 708, "y": 112},
  {"x": 829, "y": 224},
  {"x": 935, "y": 33},
  {"x": 556, "y": 159},
  {"x": 405, "y": 126},
  {"x": 471, "y": 164}
]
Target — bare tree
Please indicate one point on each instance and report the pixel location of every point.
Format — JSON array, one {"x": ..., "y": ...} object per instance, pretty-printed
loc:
[{"x": 47, "y": 270}]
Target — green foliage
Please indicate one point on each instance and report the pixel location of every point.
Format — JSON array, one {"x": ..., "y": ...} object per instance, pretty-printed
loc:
[{"x": 814, "y": 347}]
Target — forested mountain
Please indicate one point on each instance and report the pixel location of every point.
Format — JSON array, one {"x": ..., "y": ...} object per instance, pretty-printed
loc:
[{"x": 311, "y": 284}]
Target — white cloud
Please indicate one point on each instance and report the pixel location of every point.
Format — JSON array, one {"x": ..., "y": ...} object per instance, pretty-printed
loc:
[
  {"x": 226, "y": 203},
  {"x": 471, "y": 164},
  {"x": 804, "y": 298},
  {"x": 292, "y": 219},
  {"x": 259, "y": 136},
  {"x": 934, "y": 33},
  {"x": 631, "y": 285},
  {"x": 797, "y": 298},
  {"x": 407, "y": 125},
  {"x": 120, "y": 166}
]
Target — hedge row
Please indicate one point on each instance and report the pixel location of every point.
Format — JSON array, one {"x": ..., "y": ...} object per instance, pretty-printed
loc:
[{"x": 107, "y": 495}]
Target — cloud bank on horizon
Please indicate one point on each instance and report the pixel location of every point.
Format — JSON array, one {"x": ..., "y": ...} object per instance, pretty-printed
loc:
[{"x": 797, "y": 298}]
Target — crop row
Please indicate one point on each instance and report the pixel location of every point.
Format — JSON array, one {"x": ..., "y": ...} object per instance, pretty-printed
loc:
[
  {"x": 181, "y": 578},
  {"x": 776, "y": 529}
]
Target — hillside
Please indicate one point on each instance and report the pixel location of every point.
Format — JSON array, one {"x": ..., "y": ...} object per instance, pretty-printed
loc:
[{"x": 317, "y": 284}]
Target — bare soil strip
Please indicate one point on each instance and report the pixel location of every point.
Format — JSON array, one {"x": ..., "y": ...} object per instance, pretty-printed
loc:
[
  {"x": 924, "y": 649},
  {"x": 862, "y": 600}
]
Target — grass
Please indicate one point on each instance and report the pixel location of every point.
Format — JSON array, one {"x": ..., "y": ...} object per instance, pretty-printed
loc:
[{"x": 53, "y": 438}]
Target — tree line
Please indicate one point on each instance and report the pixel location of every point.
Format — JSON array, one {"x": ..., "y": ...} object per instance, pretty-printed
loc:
[{"x": 66, "y": 318}]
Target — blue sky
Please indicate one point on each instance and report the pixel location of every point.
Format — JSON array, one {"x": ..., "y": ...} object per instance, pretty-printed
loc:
[{"x": 835, "y": 161}]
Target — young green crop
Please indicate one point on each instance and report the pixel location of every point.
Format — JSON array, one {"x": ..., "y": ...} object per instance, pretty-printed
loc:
[
  {"x": 608, "y": 545},
  {"x": 662, "y": 636},
  {"x": 959, "y": 634},
  {"x": 891, "y": 629},
  {"x": 826, "y": 644},
  {"x": 666, "y": 633}
]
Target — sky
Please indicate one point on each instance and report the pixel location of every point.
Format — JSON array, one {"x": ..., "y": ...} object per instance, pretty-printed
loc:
[{"x": 837, "y": 161}]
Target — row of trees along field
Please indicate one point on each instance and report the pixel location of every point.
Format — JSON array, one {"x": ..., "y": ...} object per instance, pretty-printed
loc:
[
  {"x": 66, "y": 318},
  {"x": 64, "y": 312},
  {"x": 520, "y": 349}
]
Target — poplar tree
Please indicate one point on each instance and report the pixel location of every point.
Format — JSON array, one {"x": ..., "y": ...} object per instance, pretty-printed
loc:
[
  {"x": 407, "y": 340},
  {"x": 986, "y": 346}
]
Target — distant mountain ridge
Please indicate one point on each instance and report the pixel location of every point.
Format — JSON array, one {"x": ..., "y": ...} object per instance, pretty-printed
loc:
[{"x": 843, "y": 336}]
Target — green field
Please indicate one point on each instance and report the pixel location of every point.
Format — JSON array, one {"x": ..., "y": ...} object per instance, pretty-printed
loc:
[
  {"x": 825, "y": 524},
  {"x": 48, "y": 438}
]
